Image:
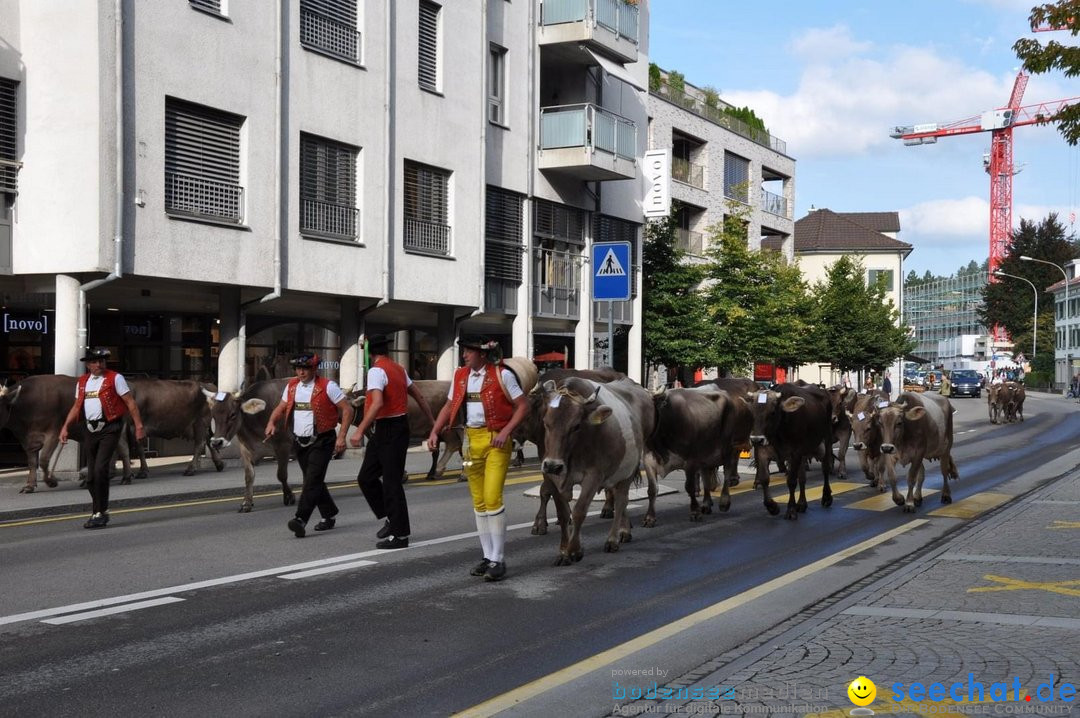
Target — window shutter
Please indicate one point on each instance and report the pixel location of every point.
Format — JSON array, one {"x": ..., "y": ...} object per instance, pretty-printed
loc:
[
  {"x": 327, "y": 188},
  {"x": 8, "y": 136},
  {"x": 503, "y": 220},
  {"x": 202, "y": 161},
  {"x": 213, "y": 6},
  {"x": 330, "y": 25},
  {"x": 557, "y": 221},
  {"x": 429, "y": 45},
  {"x": 427, "y": 208},
  {"x": 736, "y": 177}
]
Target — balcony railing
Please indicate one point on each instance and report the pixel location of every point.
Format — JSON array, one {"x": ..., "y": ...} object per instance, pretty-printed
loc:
[
  {"x": 322, "y": 32},
  {"x": 690, "y": 241},
  {"x": 427, "y": 237},
  {"x": 688, "y": 172},
  {"x": 618, "y": 16},
  {"x": 589, "y": 126},
  {"x": 9, "y": 173},
  {"x": 201, "y": 197},
  {"x": 719, "y": 117},
  {"x": 557, "y": 292},
  {"x": 323, "y": 219},
  {"x": 774, "y": 204}
]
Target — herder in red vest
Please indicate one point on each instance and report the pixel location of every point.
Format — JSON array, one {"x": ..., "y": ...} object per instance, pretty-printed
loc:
[
  {"x": 102, "y": 397},
  {"x": 494, "y": 405},
  {"x": 314, "y": 402},
  {"x": 386, "y": 405}
]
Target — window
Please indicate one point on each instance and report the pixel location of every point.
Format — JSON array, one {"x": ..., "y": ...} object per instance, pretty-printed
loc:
[
  {"x": 429, "y": 45},
  {"x": 886, "y": 276},
  {"x": 212, "y": 6},
  {"x": 427, "y": 209},
  {"x": 504, "y": 215},
  {"x": 202, "y": 162},
  {"x": 329, "y": 26},
  {"x": 497, "y": 84},
  {"x": 9, "y": 159},
  {"x": 736, "y": 177},
  {"x": 327, "y": 188}
]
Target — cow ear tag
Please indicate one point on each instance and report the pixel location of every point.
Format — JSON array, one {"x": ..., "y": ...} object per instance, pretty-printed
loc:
[
  {"x": 554, "y": 403},
  {"x": 220, "y": 396},
  {"x": 883, "y": 405},
  {"x": 861, "y": 416},
  {"x": 762, "y": 398}
]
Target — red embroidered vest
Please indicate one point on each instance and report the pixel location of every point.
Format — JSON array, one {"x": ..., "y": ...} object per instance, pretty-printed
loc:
[
  {"x": 395, "y": 393},
  {"x": 498, "y": 409},
  {"x": 112, "y": 406},
  {"x": 324, "y": 410}
]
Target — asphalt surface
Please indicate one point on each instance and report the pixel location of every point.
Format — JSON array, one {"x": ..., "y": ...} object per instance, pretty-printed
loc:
[{"x": 410, "y": 633}]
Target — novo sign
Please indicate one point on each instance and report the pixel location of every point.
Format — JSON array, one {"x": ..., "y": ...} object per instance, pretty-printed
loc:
[
  {"x": 26, "y": 324},
  {"x": 658, "y": 183}
]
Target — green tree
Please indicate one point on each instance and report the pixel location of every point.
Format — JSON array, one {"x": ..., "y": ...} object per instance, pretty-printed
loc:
[
  {"x": 1054, "y": 55},
  {"x": 676, "y": 329},
  {"x": 857, "y": 325},
  {"x": 757, "y": 302}
]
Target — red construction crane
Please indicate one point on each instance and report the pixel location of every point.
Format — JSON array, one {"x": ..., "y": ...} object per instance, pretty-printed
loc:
[{"x": 998, "y": 162}]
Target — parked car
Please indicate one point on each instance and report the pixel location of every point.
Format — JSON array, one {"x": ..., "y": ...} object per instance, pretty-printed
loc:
[{"x": 962, "y": 382}]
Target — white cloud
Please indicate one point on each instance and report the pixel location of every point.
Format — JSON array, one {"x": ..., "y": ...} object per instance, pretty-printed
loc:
[
  {"x": 833, "y": 42},
  {"x": 947, "y": 220}
]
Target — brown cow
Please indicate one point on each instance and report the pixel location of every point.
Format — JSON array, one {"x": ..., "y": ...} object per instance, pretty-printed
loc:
[
  {"x": 1014, "y": 406},
  {"x": 843, "y": 401},
  {"x": 866, "y": 431},
  {"x": 917, "y": 427},
  {"x": 174, "y": 409},
  {"x": 594, "y": 435},
  {"x": 243, "y": 416},
  {"x": 792, "y": 423},
  {"x": 998, "y": 397}
]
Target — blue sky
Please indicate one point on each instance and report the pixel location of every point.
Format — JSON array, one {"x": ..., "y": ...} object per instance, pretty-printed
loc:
[{"x": 832, "y": 78}]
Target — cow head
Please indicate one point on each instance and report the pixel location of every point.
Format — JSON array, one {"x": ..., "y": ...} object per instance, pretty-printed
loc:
[
  {"x": 893, "y": 420},
  {"x": 570, "y": 413},
  {"x": 8, "y": 397},
  {"x": 841, "y": 399},
  {"x": 225, "y": 418},
  {"x": 768, "y": 408},
  {"x": 865, "y": 422}
]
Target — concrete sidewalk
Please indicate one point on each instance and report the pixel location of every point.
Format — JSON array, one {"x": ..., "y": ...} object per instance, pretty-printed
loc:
[{"x": 995, "y": 602}]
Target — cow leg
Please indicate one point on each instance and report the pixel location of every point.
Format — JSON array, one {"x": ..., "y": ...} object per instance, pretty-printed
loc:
[
  {"x": 792, "y": 484},
  {"x": 48, "y": 446},
  {"x": 801, "y": 504},
  {"x": 841, "y": 456},
  {"x": 540, "y": 523},
  {"x": 282, "y": 452},
  {"x": 731, "y": 469},
  {"x": 196, "y": 453},
  {"x": 562, "y": 511},
  {"x": 724, "y": 502},
  {"x": 34, "y": 444},
  {"x": 761, "y": 479},
  {"x": 912, "y": 482},
  {"x": 433, "y": 472},
  {"x": 890, "y": 465},
  {"x": 607, "y": 511},
  {"x": 123, "y": 452},
  {"x": 574, "y": 551},
  {"x": 519, "y": 454},
  {"x": 826, "y": 469},
  {"x": 135, "y": 446},
  {"x": 650, "y": 513},
  {"x": 948, "y": 471},
  {"x": 708, "y": 485},
  {"x": 620, "y": 529},
  {"x": 691, "y": 491},
  {"x": 918, "y": 484},
  {"x": 249, "y": 479}
]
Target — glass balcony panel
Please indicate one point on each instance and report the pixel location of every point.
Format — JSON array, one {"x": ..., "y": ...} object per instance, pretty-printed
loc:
[{"x": 556, "y": 12}]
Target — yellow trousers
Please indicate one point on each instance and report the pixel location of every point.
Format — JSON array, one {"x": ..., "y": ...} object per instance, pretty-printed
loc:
[{"x": 487, "y": 469}]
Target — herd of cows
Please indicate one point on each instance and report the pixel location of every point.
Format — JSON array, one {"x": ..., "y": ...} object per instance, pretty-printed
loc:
[{"x": 597, "y": 429}]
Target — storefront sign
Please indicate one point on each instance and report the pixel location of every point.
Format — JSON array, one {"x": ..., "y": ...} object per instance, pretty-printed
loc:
[{"x": 26, "y": 324}]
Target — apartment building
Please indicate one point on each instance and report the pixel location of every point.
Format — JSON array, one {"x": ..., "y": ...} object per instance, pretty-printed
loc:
[
  {"x": 207, "y": 186},
  {"x": 717, "y": 159}
]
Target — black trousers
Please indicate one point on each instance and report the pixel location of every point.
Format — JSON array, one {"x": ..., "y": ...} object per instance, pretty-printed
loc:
[
  {"x": 100, "y": 447},
  {"x": 385, "y": 458},
  {"x": 313, "y": 460}
]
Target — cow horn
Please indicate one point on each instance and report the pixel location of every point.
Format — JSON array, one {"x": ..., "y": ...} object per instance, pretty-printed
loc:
[{"x": 207, "y": 393}]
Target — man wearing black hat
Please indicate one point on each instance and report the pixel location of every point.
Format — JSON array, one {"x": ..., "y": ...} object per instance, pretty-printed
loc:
[
  {"x": 316, "y": 405},
  {"x": 386, "y": 406},
  {"x": 494, "y": 404},
  {"x": 102, "y": 397}
]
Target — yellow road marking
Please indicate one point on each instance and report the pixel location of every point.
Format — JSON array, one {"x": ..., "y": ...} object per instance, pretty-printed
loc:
[
  {"x": 884, "y": 502},
  {"x": 1064, "y": 525},
  {"x": 554, "y": 680},
  {"x": 973, "y": 505},
  {"x": 1019, "y": 584}
]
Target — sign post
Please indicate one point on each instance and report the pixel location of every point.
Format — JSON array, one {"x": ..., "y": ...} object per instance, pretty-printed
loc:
[{"x": 611, "y": 281}]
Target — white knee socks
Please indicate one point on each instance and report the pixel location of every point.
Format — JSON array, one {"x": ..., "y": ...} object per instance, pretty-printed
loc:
[
  {"x": 483, "y": 527},
  {"x": 497, "y": 529}
]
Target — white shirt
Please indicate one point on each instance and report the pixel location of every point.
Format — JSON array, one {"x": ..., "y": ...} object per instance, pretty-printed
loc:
[
  {"x": 377, "y": 379},
  {"x": 91, "y": 404},
  {"x": 474, "y": 410},
  {"x": 304, "y": 419}
]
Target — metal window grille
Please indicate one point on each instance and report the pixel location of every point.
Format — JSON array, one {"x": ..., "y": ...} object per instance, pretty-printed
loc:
[
  {"x": 9, "y": 159},
  {"x": 213, "y": 6},
  {"x": 202, "y": 162},
  {"x": 736, "y": 177},
  {"x": 504, "y": 219},
  {"x": 613, "y": 229},
  {"x": 327, "y": 188},
  {"x": 330, "y": 26},
  {"x": 427, "y": 209},
  {"x": 556, "y": 221},
  {"x": 428, "y": 53}
]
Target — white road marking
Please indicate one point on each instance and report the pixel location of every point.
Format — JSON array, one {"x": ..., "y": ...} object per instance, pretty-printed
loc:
[
  {"x": 327, "y": 569},
  {"x": 87, "y": 615}
]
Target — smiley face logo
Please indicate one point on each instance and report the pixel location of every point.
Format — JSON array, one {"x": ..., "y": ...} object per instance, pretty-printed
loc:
[{"x": 862, "y": 691}]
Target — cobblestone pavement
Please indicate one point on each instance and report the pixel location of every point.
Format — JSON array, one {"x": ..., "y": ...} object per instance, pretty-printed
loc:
[{"x": 994, "y": 606}]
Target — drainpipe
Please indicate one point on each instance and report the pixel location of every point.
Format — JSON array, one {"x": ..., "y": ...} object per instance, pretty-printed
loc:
[
  {"x": 389, "y": 117},
  {"x": 121, "y": 185},
  {"x": 485, "y": 50}
]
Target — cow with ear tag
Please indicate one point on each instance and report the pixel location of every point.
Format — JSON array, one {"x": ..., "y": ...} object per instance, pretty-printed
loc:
[
  {"x": 594, "y": 435},
  {"x": 918, "y": 427},
  {"x": 866, "y": 432},
  {"x": 242, "y": 416}
]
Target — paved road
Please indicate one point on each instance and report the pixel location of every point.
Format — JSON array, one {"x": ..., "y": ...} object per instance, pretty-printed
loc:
[{"x": 409, "y": 633}]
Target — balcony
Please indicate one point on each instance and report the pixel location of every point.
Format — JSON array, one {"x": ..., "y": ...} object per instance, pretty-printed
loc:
[
  {"x": 716, "y": 115},
  {"x": 690, "y": 241},
  {"x": 557, "y": 292},
  {"x": 589, "y": 142},
  {"x": 328, "y": 220},
  {"x": 687, "y": 172},
  {"x": 774, "y": 204},
  {"x": 608, "y": 25},
  {"x": 203, "y": 198}
]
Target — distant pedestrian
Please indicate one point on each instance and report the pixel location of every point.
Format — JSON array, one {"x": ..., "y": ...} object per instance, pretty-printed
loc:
[
  {"x": 102, "y": 397},
  {"x": 886, "y": 385}
]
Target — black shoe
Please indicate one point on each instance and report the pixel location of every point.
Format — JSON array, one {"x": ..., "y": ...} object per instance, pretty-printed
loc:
[
  {"x": 384, "y": 531},
  {"x": 104, "y": 518},
  {"x": 393, "y": 542},
  {"x": 325, "y": 525},
  {"x": 296, "y": 525},
  {"x": 95, "y": 522},
  {"x": 481, "y": 568},
  {"x": 495, "y": 571}
]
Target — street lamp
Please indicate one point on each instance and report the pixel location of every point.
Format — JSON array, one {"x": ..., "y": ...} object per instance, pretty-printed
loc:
[
  {"x": 1035, "y": 319},
  {"x": 1068, "y": 348}
]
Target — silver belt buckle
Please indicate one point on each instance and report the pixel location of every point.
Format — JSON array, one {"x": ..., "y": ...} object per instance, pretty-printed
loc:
[
  {"x": 95, "y": 426},
  {"x": 306, "y": 441}
]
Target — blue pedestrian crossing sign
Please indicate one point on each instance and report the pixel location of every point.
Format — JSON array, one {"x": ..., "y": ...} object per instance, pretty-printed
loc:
[{"x": 611, "y": 271}]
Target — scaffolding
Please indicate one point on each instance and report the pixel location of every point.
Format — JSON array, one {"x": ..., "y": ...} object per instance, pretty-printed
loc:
[{"x": 944, "y": 309}]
